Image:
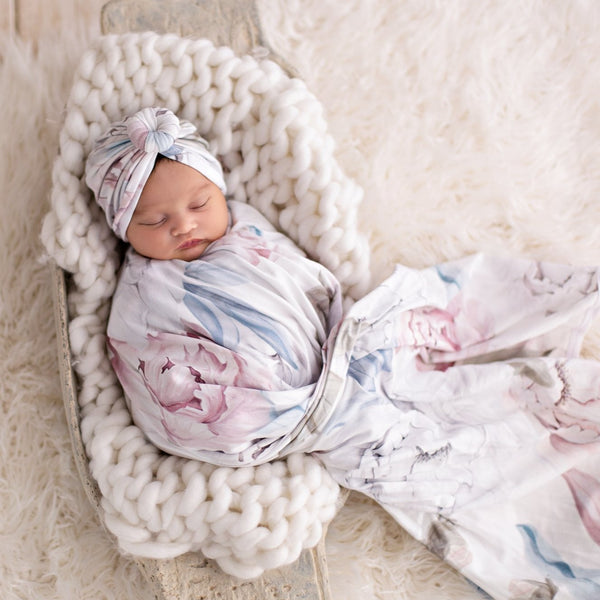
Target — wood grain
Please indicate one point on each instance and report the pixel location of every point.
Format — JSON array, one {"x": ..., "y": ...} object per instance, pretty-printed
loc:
[
  {"x": 7, "y": 16},
  {"x": 33, "y": 19}
]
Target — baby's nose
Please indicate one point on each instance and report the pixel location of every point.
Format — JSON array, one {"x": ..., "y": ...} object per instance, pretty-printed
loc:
[{"x": 183, "y": 225}]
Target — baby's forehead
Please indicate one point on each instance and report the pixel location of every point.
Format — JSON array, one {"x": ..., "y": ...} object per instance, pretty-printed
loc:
[
  {"x": 171, "y": 181},
  {"x": 142, "y": 208}
]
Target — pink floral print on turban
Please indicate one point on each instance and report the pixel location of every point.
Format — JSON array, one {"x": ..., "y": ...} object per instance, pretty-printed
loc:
[{"x": 123, "y": 158}]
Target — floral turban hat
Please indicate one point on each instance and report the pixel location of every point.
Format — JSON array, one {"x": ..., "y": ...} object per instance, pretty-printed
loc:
[{"x": 123, "y": 158}]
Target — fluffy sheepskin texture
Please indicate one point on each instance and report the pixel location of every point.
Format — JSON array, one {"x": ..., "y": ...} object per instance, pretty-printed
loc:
[{"x": 472, "y": 125}]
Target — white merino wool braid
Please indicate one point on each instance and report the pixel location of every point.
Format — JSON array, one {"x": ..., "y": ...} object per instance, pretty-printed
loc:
[{"x": 271, "y": 136}]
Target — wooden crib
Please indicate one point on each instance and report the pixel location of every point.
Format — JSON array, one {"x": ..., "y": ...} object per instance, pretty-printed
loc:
[{"x": 235, "y": 24}]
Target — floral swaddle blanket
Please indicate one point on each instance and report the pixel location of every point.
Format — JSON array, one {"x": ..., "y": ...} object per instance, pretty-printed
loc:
[{"x": 451, "y": 395}]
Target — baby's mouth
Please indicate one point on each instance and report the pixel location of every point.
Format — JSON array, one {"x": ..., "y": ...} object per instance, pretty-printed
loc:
[{"x": 189, "y": 244}]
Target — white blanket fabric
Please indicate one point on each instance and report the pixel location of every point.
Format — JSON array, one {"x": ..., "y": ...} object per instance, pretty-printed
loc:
[{"x": 453, "y": 396}]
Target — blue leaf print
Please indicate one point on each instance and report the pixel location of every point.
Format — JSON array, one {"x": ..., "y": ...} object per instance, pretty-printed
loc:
[
  {"x": 365, "y": 370},
  {"x": 206, "y": 302},
  {"x": 207, "y": 317},
  {"x": 255, "y": 230},
  {"x": 578, "y": 580},
  {"x": 205, "y": 272},
  {"x": 447, "y": 277},
  {"x": 551, "y": 558}
]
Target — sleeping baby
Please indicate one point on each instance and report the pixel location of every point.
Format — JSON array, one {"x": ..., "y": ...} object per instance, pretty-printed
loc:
[{"x": 451, "y": 395}]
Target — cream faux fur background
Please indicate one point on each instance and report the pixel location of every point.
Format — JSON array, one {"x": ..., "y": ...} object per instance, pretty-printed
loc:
[{"x": 472, "y": 125}]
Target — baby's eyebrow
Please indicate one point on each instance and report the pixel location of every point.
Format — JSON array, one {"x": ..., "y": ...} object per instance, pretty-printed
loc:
[
  {"x": 142, "y": 212},
  {"x": 147, "y": 213},
  {"x": 200, "y": 187}
]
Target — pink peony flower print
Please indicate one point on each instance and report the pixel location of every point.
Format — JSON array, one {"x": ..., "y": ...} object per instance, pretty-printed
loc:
[
  {"x": 432, "y": 328},
  {"x": 562, "y": 395},
  {"x": 193, "y": 395},
  {"x": 586, "y": 494}
]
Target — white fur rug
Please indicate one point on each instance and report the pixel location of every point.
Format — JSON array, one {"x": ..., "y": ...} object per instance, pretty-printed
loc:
[{"x": 472, "y": 125}]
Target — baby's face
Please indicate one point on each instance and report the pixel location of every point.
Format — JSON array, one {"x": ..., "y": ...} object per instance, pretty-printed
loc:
[{"x": 179, "y": 213}]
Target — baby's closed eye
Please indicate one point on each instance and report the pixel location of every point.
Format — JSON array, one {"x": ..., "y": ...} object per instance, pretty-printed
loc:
[
  {"x": 199, "y": 205},
  {"x": 153, "y": 222}
]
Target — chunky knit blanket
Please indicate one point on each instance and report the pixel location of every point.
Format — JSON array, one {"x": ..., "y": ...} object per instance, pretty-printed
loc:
[{"x": 271, "y": 136}]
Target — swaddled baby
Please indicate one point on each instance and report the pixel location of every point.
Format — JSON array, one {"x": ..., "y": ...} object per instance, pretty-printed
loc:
[
  {"x": 218, "y": 320},
  {"x": 452, "y": 395}
]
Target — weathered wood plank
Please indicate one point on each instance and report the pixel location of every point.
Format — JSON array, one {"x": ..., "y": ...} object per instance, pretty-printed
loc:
[
  {"x": 35, "y": 18},
  {"x": 192, "y": 576},
  {"x": 7, "y": 16},
  {"x": 68, "y": 384},
  {"x": 228, "y": 22},
  {"x": 233, "y": 23}
]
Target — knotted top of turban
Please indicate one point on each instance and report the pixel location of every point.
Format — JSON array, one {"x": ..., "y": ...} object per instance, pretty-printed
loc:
[{"x": 123, "y": 158}]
